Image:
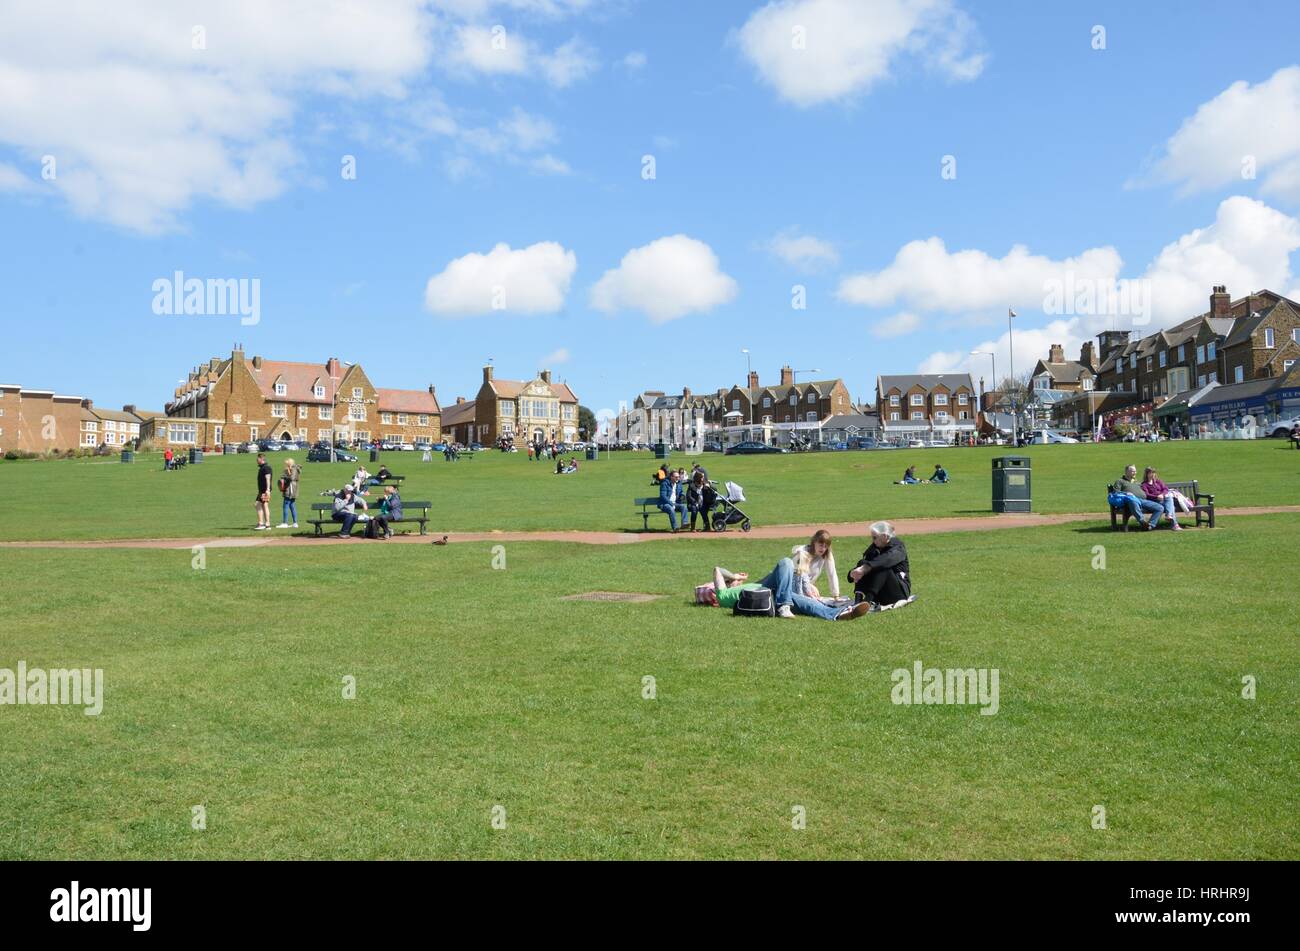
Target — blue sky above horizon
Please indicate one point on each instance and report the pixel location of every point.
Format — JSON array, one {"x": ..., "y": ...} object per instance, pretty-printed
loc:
[{"x": 774, "y": 166}]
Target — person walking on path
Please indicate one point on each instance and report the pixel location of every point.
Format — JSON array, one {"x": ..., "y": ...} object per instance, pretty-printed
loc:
[
  {"x": 262, "y": 502},
  {"x": 289, "y": 493}
]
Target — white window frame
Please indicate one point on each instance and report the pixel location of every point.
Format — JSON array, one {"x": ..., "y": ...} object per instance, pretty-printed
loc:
[
  {"x": 318, "y": 391},
  {"x": 941, "y": 399},
  {"x": 963, "y": 399},
  {"x": 916, "y": 399},
  {"x": 401, "y": 419},
  {"x": 1268, "y": 337},
  {"x": 386, "y": 419},
  {"x": 303, "y": 410},
  {"x": 278, "y": 411},
  {"x": 767, "y": 402},
  {"x": 893, "y": 399},
  {"x": 423, "y": 419},
  {"x": 893, "y": 417},
  {"x": 918, "y": 415},
  {"x": 356, "y": 392},
  {"x": 325, "y": 413},
  {"x": 1164, "y": 359},
  {"x": 281, "y": 389},
  {"x": 1239, "y": 374}
]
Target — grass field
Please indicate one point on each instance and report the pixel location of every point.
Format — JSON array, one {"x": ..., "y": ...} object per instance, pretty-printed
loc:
[
  {"x": 106, "y": 499},
  {"x": 479, "y": 687}
]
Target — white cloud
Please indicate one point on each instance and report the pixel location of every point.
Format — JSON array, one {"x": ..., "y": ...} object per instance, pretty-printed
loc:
[
  {"x": 926, "y": 276},
  {"x": 665, "y": 279},
  {"x": 803, "y": 251},
  {"x": 1244, "y": 122},
  {"x": 493, "y": 50},
  {"x": 898, "y": 325},
  {"x": 13, "y": 180},
  {"x": 1247, "y": 247},
  {"x": 850, "y": 45},
  {"x": 634, "y": 60},
  {"x": 570, "y": 63},
  {"x": 555, "y": 357},
  {"x": 549, "y": 165},
  {"x": 142, "y": 124},
  {"x": 531, "y": 280}
]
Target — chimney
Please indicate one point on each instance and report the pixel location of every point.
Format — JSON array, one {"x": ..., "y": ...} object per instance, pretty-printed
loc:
[
  {"x": 129, "y": 408},
  {"x": 1220, "y": 302},
  {"x": 432, "y": 391},
  {"x": 1086, "y": 356},
  {"x": 237, "y": 353},
  {"x": 1056, "y": 354},
  {"x": 753, "y": 379},
  {"x": 686, "y": 392},
  {"x": 257, "y": 363},
  {"x": 787, "y": 376},
  {"x": 332, "y": 367},
  {"x": 546, "y": 376},
  {"x": 487, "y": 373},
  {"x": 88, "y": 403},
  {"x": 1110, "y": 340},
  {"x": 459, "y": 400}
]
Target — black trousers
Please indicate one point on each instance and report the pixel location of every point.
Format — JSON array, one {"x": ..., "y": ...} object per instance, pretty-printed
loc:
[{"x": 880, "y": 587}]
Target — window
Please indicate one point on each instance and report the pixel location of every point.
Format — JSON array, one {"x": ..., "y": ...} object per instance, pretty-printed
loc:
[
  {"x": 1164, "y": 359},
  {"x": 325, "y": 412},
  {"x": 893, "y": 417},
  {"x": 88, "y": 439},
  {"x": 302, "y": 410},
  {"x": 318, "y": 391},
  {"x": 277, "y": 410},
  {"x": 1182, "y": 352},
  {"x": 963, "y": 399},
  {"x": 302, "y": 432},
  {"x": 1200, "y": 380},
  {"x": 252, "y": 433},
  {"x": 1295, "y": 334},
  {"x": 735, "y": 404},
  {"x": 1268, "y": 337},
  {"x": 1214, "y": 377},
  {"x": 423, "y": 419},
  {"x": 893, "y": 399},
  {"x": 92, "y": 426},
  {"x": 281, "y": 389},
  {"x": 216, "y": 435},
  {"x": 110, "y": 424},
  {"x": 1239, "y": 374},
  {"x": 812, "y": 417},
  {"x": 1148, "y": 364},
  {"x": 401, "y": 419},
  {"x": 1287, "y": 365},
  {"x": 184, "y": 432},
  {"x": 568, "y": 410},
  {"x": 386, "y": 418},
  {"x": 1209, "y": 351},
  {"x": 767, "y": 420},
  {"x": 1088, "y": 382},
  {"x": 110, "y": 438},
  {"x": 1043, "y": 382},
  {"x": 812, "y": 397},
  {"x": 918, "y": 416},
  {"x": 962, "y": 415},
  {"x": 941, "y": 399},
  {"x": 917, "y": 399},
  {"x": 1200, "y": 354},
  {"x": 356, "y": 392},
  {"x": 1132, "y": 361},
  {"x": 794, "y": 399},
  {"x": 767, "y": 402},
  {"x": 941, "y": 417},
  {"x": 357, "y": 411},
  {"x": 324, "y": 434}
]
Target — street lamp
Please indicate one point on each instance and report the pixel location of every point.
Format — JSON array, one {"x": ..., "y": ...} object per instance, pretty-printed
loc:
[
  {"x": 749, "y": 372},
  {"x": 1011, "y": 352},
  {"x": 994, "y": 358}
]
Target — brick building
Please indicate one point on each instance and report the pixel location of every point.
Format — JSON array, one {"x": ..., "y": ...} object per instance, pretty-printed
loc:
[
  {"x": 788, "y": 406},
  {"x": 237, "y": 399},
  {"x": 925, "y": 403},
  {"x": 527, "y": 410},
  {"x": 45, "y": 421},
  {"x": 458, "y": 421}
]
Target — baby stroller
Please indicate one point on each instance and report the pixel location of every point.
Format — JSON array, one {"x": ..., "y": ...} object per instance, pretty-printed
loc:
[{"x": 727, "y": 512}]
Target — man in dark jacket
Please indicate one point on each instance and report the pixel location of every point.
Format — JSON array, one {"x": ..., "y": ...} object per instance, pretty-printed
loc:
[{"x": 883, "y": 577}]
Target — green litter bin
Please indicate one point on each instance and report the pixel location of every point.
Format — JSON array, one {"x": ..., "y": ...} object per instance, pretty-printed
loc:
[
  {"x": 592, "y": 454},
  {"x": 662, "y": 451},
  {"x": 128, "y": 455},
  {"x": 1011, "y": 484}
]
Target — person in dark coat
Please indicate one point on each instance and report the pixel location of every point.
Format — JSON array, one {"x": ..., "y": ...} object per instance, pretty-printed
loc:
[{"x": 883, "y": 576}]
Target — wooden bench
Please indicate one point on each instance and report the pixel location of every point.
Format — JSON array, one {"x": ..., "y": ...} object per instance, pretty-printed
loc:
[
  {"x": 411, "y": 512},
  {"x": 651, "y": 507},
  {"x": 1203, "y": 510}
]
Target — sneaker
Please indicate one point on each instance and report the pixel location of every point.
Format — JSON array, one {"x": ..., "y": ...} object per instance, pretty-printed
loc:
[
  {"x": 284, "y": 525},
  {"x": 295, "y": 524},
  {"x": 784, "y": 611},
  {"x": 855, "y": 612},
  {"x": 261, "y": 528}
]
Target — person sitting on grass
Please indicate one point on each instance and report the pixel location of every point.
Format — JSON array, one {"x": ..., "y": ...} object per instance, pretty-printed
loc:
[
  {"x": 1157, "y": 491},
  {"x": 670, "y": 501},
  {"x": 909, "y": 477},
  {"x": 811, "y": 559},
  {"x": 727, "y": 586},
  {"x": 1131, "y": 495},
  {"x": 940, "y": 475},
  {"x": 883, "y": 577}
]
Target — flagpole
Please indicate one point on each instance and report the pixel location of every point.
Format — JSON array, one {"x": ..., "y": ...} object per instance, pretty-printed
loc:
[{"x": 1011, "y": 350}]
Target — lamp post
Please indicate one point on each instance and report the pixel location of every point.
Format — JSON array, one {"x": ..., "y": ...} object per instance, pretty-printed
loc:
[
  {"x": 749, "y": 395},
  {"x": 994, "y": 358},
  {"x": 1011, "y": 352}
]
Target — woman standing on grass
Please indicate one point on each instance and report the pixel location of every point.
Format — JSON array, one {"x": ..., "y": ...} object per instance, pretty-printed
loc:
[
  {"x": 289, "y": 492},
  {"x": 809, "y": 561}
]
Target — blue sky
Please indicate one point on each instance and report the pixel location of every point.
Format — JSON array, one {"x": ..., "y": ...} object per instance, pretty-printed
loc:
[{"x": 224, "y": 162}]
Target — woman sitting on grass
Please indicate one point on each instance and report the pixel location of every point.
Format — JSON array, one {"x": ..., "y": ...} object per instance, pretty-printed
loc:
[
  {"x": 809, "y": 561},
  {"x": 909, "y": 477}
]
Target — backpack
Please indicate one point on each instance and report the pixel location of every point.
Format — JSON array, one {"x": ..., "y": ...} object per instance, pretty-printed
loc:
[
  {"x": 372, "y": 529},
  {"x": 755, "y": 602}
]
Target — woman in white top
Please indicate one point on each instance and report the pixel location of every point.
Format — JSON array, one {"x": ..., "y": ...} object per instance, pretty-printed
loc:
[{"x": 811, "y": 559}]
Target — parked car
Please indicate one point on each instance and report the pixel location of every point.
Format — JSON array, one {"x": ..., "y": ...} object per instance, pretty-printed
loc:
[
  {"x": 1282, "y": 428},
  {"x": 1049, "y": 437},
  {"x": 916, "y": 444},
  {"x": 751, "y": 448},
  {"x": 322, "y": 454},
  {"x": 713, "y": 447},
  {"x": 476, "y": 447},
  {"x": 834, "y": 446}
]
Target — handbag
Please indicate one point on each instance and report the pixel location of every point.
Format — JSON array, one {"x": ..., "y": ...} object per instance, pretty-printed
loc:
[{"x": 755, "y": 602}]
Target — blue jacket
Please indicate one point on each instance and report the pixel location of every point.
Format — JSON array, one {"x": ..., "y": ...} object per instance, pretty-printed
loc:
[
  {"x": 666, "y": 492},
  {"x": 392, "y": 507}
]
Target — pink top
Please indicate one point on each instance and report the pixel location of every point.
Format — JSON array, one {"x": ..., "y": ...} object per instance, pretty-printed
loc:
[{"x": 1155, "y": 488}]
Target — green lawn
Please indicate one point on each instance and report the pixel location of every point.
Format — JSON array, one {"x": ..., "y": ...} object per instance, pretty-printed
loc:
[
  {"x": 479, "y": 687},
  {"x": 106, "y": 499}
]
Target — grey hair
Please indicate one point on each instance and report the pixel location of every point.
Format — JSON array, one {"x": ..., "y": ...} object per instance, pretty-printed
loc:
[{"x": 883, "y": 528}]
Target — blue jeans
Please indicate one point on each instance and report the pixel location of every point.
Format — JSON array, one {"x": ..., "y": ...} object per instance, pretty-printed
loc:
[
  {"x": 1168, "y": 507},
  {"x": 348, "y": 519},
  {"x": 910, "y": 481},
  {"x": 676, "y": 513},
  {"x": 290, "y": 507},
  {"x": 780, "y": 580},
  {"x": 1138, "y": 506}
]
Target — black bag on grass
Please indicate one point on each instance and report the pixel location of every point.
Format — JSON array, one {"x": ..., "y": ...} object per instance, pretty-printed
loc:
[
  {"x": 372, "y": 529},
  {"x": 755, "y": 602}
]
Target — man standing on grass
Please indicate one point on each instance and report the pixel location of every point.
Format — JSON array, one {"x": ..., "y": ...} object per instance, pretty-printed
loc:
[
  {"x": 883, "y": 578},
  {"x": 263, "y": 501}
]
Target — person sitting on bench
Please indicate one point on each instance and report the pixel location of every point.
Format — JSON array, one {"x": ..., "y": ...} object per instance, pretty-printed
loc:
[
  {"x": 345, "y": 509},
  {"x": 1160, "y": 493},
  {"x": 883, "y": 577},
  {"x": 390, "y": 510},
  {"x": 940, "y": 474},
  {"x": 1135, "y": 498},
  {"x": 670, "y": 501},
  {"x": 380, "y": 476}
]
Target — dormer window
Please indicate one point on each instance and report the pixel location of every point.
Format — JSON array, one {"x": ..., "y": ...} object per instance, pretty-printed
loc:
[
  {"x": 893, "y": 399},
  {"x": 794, "y": 399},
  {"x": 281, "y": 389},
  {"x": 318, "y": 391},
  {"x": 918, "y": 399},
  {"x": 812, "y": 397}
]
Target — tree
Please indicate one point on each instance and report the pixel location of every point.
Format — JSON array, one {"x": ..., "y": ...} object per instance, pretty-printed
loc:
[{"x": 586, "y": 423}]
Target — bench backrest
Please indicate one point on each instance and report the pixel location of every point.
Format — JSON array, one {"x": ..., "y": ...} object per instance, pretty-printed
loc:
[
  {"x": 1188, "y": 489},
  {"x": 654, "y": 501},
  {"x": 329, "y": 506}
]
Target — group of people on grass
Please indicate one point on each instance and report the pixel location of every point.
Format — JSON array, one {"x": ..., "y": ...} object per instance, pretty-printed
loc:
[
  {"x": 882, "y": 580},
  {"x": 543, "y": 450},
  {"x": 1150, "y": 497},
  {"x": 680, "y": 494},
  {"x": 939, "y": 476},
  {"x": 564, "y": 468}
]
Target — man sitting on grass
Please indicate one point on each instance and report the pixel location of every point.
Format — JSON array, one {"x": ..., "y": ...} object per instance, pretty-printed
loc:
[
  {"x": 883, "y": 578},
  {"x": 940, "y": 474}
]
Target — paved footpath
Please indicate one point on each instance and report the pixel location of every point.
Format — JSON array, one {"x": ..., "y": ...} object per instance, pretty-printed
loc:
[{"x": 907, "y": 526}]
